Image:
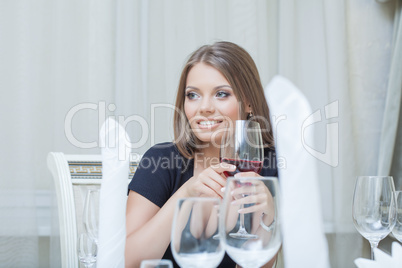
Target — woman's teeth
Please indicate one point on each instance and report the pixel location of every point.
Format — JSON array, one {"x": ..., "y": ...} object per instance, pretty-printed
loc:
[{"x": 208, "y": 123}]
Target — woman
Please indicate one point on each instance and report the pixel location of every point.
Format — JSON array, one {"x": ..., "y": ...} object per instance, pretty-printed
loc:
[{"x": 219, "y": 84}]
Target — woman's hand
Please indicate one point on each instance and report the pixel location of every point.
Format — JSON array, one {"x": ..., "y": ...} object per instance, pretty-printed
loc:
[
  {"x": 256, "y": 193},
  {"x": 209, "y": 182}
]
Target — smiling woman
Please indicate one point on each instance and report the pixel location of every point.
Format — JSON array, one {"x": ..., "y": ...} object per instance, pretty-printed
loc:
[{"x": 219, "y": 85}]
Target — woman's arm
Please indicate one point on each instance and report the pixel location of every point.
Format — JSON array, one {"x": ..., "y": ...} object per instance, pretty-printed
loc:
[{"x": 148, "y": 228}]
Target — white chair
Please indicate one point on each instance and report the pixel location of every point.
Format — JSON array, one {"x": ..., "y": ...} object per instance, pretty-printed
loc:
[{"x": 73, "y": 176}]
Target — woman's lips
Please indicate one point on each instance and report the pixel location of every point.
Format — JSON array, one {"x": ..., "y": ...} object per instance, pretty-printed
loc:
[{"x": 208, "y": 124}]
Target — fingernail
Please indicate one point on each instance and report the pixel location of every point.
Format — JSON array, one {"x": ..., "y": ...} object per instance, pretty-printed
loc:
[
  {"x": 223, "y": 189},
  {"x": 237, "y": 175},
  {"x": 232, "y": 166}
]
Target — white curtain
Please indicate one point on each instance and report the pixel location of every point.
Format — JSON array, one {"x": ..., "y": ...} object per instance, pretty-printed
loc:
[
  {"x": 339, "y": 54},
  {"x": 53, "y": 56}
]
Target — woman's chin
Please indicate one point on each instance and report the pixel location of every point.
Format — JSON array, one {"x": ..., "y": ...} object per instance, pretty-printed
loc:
[{"x": 214, "y": 140}]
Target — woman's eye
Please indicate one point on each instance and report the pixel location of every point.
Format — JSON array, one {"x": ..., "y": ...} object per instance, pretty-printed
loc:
[
  {"x": 191, "y": 95},
  {"x": 222, "y": 94}
]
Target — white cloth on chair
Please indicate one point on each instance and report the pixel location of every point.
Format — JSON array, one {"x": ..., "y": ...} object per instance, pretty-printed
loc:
[
  {"x": 304, "y": 242},
  {"x": 113, "y": 195}
]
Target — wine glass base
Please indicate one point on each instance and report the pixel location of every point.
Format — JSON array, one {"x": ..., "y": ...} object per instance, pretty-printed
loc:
[{"x": 243, "y": 236}]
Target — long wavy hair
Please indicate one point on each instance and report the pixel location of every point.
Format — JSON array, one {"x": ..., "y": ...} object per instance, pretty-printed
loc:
[{"x": 239, "y": 69}]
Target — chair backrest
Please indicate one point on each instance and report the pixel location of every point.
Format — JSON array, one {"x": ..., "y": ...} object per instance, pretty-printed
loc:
[{"x": 73, "y": 176}]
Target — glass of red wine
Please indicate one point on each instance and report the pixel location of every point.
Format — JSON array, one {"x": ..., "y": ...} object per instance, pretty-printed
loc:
[{"x": 242, "y": 146}]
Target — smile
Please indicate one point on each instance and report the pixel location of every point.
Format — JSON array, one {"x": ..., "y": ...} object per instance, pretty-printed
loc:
[{"x": 208, "y": 123}]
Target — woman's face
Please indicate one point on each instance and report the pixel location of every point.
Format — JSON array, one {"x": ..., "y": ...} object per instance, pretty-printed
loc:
[{"x": 210, "y": 104}]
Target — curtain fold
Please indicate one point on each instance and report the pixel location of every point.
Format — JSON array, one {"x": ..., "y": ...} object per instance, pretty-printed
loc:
[{"x": 389, "y": 155}]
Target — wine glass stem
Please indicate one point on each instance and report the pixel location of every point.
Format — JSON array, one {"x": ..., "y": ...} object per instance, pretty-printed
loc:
[
  {"x": 373, "y": 244},
  {"x": 241, "y": 227}
]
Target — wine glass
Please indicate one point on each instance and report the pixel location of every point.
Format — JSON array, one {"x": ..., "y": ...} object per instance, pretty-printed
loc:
[
  {"x": 260, "y": 207},
  {"x": 397, "y": 231},
  {"x": 91, "y": 214},
  {"x": 156, "y": 264},
  {"x": 87, "y": 250},
  {"x": 243, "y": 147},
  {"x": 374, "y": 208},
  {"x": 194, "y": 225}
]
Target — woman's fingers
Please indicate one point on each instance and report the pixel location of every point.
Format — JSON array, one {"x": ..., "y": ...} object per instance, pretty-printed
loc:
[
  {"x": 251, "y": 199},
  {"x": 221, "y": 167},
  {"x": 213, "y": 179},
  {"x": 259, "y": 207},
  {"x": 211, "y": 182},
  {"x": 247, "y": 174}
]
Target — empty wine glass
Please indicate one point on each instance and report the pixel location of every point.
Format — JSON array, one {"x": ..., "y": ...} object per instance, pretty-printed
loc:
[
  {"x": 156, "y": 264},
  {"x": 194, "y": 225},
  {"x": 87, "y": 250},
  {"x": 243, "y": 147},
  {"x": 91, "y": 214},
  {"x": 258, "y": 200},
  {"x": 397, "y": 231},
  {"x": 374, "y": 208}
]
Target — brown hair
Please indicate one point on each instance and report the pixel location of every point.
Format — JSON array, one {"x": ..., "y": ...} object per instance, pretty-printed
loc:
[{"x": 239, "y": 69}]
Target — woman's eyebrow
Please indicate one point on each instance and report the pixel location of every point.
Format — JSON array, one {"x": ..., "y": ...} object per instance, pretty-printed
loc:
[
  {"x": 222, "y": 86},
  {"x": 191, "y": 87},
  {"x": 215, "y": 88}
]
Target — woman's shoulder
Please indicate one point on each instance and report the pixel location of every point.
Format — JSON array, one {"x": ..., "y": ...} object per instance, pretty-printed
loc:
[{"x": 269, "y": 152}]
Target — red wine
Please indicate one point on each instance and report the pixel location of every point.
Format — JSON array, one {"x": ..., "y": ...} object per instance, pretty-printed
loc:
[{"x": 242, "y": 166}]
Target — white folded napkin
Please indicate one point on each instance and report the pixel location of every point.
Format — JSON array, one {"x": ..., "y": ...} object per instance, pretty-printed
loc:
[
  {"x": 382, "y": 259},
  {"x": 304, "y": 242},
  {"x": 113, "y": 195}
]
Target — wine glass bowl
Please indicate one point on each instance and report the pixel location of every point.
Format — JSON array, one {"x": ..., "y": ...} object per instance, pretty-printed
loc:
[
  {"x": 261, "y": 220},
  {"x": 87, "y": 250},
  {"x": 374, "y": 208},
  {"x": 194, "y": 225},
  {"x": 242, "y": 146},
  {"x": 91, "y": 214},
  {"x": 156, "y": 263}
]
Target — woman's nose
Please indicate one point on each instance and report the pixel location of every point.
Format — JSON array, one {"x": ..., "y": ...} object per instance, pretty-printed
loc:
[{"x": 207, "y": 106}]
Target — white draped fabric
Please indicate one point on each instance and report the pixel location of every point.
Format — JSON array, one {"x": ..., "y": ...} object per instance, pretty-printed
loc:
[
  {"x": 301, "y": 207},
  {"x": 67, "y": 65},
  {"x": 113, "y": 195}
]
